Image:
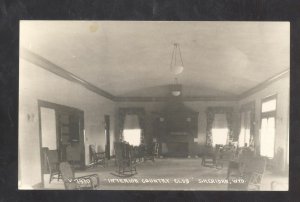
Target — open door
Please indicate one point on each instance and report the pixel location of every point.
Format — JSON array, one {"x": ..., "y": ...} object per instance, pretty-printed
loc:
[{"x": 70, "y": 137}]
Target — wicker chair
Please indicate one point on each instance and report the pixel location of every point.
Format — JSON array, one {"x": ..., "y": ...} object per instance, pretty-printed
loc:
[
  {"x": 252, "y": 174},
  {"x": 77, "y": 183},
  {"x": 255, "y": 170}
]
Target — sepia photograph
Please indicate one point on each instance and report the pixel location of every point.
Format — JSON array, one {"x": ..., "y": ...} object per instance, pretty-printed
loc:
[{"x": 154, "y": 105}]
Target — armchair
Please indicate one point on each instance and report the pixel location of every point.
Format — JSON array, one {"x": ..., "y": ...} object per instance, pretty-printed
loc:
[{"x": 77, "y": 183}]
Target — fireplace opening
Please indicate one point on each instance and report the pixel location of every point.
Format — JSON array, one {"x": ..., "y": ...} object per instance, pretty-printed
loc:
[{"x": 178, "y": 149}]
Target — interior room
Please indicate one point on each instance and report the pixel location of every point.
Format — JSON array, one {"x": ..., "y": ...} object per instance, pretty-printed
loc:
[{"x": 144, "y": 105}]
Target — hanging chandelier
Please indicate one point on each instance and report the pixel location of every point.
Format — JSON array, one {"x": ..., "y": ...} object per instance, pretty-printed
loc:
[
  {"x": 176, "y": 66},
  {"x": 176, "y": 88}
]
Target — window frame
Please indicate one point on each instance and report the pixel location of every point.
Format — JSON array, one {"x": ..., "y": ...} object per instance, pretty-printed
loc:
[{"x": 268, "y": 115}]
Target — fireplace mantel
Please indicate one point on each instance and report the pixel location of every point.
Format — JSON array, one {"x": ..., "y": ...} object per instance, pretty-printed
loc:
[{"x": 175, "y": 126}]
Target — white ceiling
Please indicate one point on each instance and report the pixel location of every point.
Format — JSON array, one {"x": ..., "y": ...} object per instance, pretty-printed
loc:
[{"x": 133, "y": 58}]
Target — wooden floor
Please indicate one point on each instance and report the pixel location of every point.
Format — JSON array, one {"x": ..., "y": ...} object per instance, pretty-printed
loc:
[{"x": 166, "y": 174}]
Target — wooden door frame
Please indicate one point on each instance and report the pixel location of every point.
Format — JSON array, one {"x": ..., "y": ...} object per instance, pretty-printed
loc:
[{"x": 59, "y": 107}]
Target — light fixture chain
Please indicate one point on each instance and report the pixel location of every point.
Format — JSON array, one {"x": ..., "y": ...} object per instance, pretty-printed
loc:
[
  {"x": 171, "y": 65},
  {"x": 175, "y": 65},
  {"x": 180, "y": 55},
  {"x": 176, "y": 50}
]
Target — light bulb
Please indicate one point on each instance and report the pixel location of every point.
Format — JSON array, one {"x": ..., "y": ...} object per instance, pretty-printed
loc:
[
  {"x": 176, "y": 93},
  {"x": 177, "y": 69}
]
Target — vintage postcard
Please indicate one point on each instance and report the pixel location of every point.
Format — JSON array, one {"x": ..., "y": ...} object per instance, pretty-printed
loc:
[{"x": 154, "y": 105}]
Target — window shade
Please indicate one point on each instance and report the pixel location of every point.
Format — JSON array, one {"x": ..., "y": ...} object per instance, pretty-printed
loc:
[
  {"x": 220, "y": 121},
  {"x": 219, "y": 130},
  {"x": 131, "y": 122}
]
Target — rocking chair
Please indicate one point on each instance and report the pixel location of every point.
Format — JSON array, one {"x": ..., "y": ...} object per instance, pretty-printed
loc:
[
  {"x": 124, "y": 159},
  {"x": 252, "y": 174},
  {"x": 97, "y": 158}
]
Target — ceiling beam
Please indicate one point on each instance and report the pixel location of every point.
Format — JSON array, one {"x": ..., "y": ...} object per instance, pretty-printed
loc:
[
  {"x": 51, "y": 67},
  {"x": 184, "y": 98},
  {"x": 264, "y": 84}
]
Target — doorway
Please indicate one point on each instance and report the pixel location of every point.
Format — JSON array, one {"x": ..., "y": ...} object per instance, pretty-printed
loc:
[{"x": 61, "y": 136}]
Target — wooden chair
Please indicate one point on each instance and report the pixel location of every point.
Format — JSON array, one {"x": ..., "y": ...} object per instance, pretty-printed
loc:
[
  {"x": 77, "y": 183},
  {"x": 136, "y": 157},
  {"x": 97, "y": 158},
  {"x": 129, "y": 157},
  {"x": 150, "y": 152},
  {"x": 141, "y": 152},
  {"x": 219, "y": 157},
  {"x": 124, "y": 160},
  {"x": 209, "y": 157},
  {"x": 244, "y": 157},
  {"x": 156, "y": 149},
  {"x": 51, "y": 157},
  {"x": 237, "y": 166}
]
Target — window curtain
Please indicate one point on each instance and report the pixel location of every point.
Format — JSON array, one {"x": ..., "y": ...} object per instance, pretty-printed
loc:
[
  {"x": 210, "y": 119},
  {"x": 247, "y": 124},
  {"x": 131, "y": 122},
  {"x": 121, "y": 123},
  {"x": 245, "y": 129},
  {"x": 140, "y": 112},
  {"x": 220, "y": 121},
  {"x": 242, "y": 131},
  {"x": 210, "y": 116},
  {"x": 141, "y": 119},
  {"x": 229, "y": 118}
]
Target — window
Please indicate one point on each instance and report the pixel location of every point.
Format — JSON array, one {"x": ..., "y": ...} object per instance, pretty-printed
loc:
[
  {"x": 132, "y": 130},
  {"x": 268, "y": 106},
  {"x": 244, "y": 137},
  {"x": 219, "y": 130},
  {"x": 267, "y": 130},
  {"x": 132, "y": 136}
]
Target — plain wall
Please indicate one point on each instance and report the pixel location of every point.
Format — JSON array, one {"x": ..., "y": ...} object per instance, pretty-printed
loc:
[
  {"x": 36, "y": 84},
  {"x": 280, "y": 88}
]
